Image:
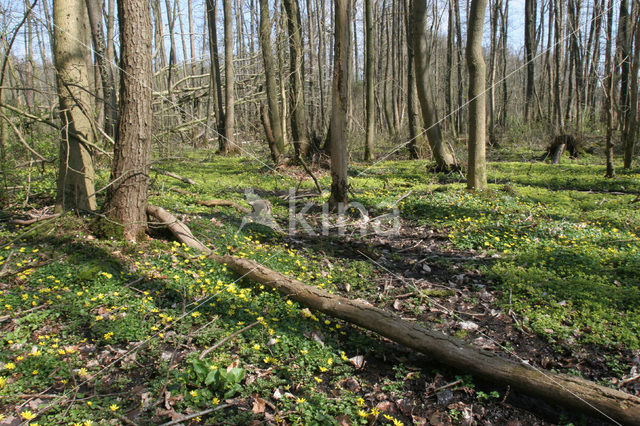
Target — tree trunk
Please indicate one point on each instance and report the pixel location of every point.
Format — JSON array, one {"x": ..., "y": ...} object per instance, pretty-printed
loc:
[
  {"x": 623, "y": 62},
  {"x": 609, "y": 89},
  {"x": 412, "y": 96},
  {"x": 557, "y": 83},
  {"x": 477, "y": 168},
  {"x": 296, "y": 67},
  {"x": 370, "y": 106},
  {"x": 338, "y": 127},
  {"x": 127, "y": 196},
  {"x": 504, "y": 17},
  {"x": 495, "y": 11},
  {"x": 271, "y": 83},
  {"x": 228, "y": 143},
  {"x": 631, "y": 129},
  {"x": 215, "y": 78},
  {"x": 106, "y": 72},
  {"x": 444, "y": 159},
  {"x": 71, "y": 57},
  {"x": 530, "y": 48},
  {"x": 449, "y": 94}
]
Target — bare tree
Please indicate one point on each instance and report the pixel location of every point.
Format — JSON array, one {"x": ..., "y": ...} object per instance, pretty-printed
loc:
[
  {"x": 369, "y": 80},
  {"x": 631, "y": 127},
  {"x": 477, "y": 169},
  {"x": 442, "y": 155},
  {"x": 338, "y": 127},
  {"x": 71, "y": 57},
  {"x": 127, "y": 194},
  {"x": 609, "y": 89},
  {"x": 530, "y": 49},
  {"x": 228, "y": 144},
  {"x": 296, "y": 69},
  {"x": 271, "y": 83},
  {"x": 106, "y": 72}
]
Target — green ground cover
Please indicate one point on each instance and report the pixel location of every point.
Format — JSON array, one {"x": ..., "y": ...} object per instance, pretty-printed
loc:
[{"x": 76, "y": 310}]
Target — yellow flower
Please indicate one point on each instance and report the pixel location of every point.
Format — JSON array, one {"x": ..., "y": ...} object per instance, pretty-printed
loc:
[
  {"x": 301, "y": 400},
  {"x": 28, "y": 415},
  {"x": 360, "y": 402},
  {"x": 114, "y": 407},
  {"x": 9, "y": 366},
  {"x": 193, "y": 393},
  {"x": 215, "y": 401},
  {"x": 3, "y": 382},
  {"x": 108, "y": 335},
  {"x": 362, "y": 413},
  {"x": 317, "y": 379},
  {"x": 256, "y": 346},
  {"x": 82, "y": 372},
  {"x": 195, "y": 314}
]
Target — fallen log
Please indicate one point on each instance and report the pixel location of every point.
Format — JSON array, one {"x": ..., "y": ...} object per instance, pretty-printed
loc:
[
  {"x": 177, "y": 228},
  {"x": 580, "y": 394}
]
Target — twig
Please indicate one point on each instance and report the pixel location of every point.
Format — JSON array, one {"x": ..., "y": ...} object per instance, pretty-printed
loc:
[
  {"x": 628, "y": 380},
  {"x": 173, "y": 175},
  {"x": 310, "y": 173},
  {"x": 25, "y": 222},
  {"x": 194, "y": 415},
  {"x": 436, "y": 390},
  {"x": 226, "y": 339},
  {"x": 5, "y": 266}
]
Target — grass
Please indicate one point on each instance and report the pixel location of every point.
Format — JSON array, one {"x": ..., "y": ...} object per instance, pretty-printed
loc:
[{"x": 75, "y": 309}]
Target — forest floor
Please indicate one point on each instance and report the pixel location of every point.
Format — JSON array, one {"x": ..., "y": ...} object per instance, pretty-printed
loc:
[{"x": 543, "y": 268}]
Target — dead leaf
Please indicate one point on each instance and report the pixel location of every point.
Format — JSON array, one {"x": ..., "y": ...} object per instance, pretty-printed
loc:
[
  {"x": 397, "y": 304},
  {"x": 468, "y": 325},
  {"x": 233, "y": 365},
  {"x": 386, "y": 406},
  {"x": 258, "y": 405},
  {"x": 277, "y": 395},
  {"x": 343, "y": 420},
  {"x": 357, "y": 361},
  {"x": 350, "y": 384}
]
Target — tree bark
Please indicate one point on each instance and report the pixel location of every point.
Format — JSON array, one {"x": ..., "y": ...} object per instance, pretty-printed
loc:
[
  {"x": 338, "y": 127},
  {"x": 271, "y": 83},
  {"x": 370, "y": 106},
  {"x": 127, "y": 196},
  {"x": 444, "y": 159},
  {"x": 477, "y": 169},
  {"x": 71, "y": 56}
]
